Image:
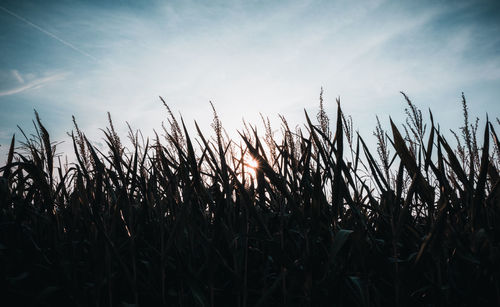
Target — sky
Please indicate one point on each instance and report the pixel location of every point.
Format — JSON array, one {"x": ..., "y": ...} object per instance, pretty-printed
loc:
[{"x": 85, "y": 58}]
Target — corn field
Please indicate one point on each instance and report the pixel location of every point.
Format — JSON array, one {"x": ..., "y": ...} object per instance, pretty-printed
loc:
[{"x": 312, "y": 217}]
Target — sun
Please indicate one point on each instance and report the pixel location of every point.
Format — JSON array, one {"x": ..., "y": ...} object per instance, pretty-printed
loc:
[{"x": 250, "y": 166}]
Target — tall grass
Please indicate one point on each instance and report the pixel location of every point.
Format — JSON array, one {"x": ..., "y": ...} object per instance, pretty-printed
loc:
[{"x": 178, "y": 220}]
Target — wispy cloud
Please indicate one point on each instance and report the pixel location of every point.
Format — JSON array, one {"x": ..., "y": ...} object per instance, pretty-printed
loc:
[
  {"x": 245, "y": 55},
  {"x": 32, "y": 84},
  {"x": 68, "y": 44},
  {"x": 18, "y": 76}
]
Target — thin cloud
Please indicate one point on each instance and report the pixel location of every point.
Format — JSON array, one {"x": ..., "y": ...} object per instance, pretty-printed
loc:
[
  {"x": 18, "y": 76},
  {"x": 68, "y": 44},
  {"x": 33, "y": 84}
]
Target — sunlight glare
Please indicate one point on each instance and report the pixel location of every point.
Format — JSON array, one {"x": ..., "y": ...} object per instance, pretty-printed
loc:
[{"x": 251, "y": 165}]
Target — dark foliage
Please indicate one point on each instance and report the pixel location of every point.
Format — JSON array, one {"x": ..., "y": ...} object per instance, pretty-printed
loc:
[{"x": 180, "y": 223}]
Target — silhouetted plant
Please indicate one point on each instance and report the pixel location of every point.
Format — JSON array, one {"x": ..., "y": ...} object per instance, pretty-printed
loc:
[{"x": 181, "y": 221}]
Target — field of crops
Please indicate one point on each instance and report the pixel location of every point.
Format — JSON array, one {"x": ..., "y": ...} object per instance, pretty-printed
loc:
[{"x": 312, "y": 217}]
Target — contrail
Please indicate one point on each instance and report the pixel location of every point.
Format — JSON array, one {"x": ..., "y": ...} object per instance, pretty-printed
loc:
[
  {"x": 70, "y": 45},
  {"x": 32, "y": 84}
]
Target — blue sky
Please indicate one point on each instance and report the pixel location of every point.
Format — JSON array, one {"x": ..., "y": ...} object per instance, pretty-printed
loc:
[{"x": 84, "y": 58}]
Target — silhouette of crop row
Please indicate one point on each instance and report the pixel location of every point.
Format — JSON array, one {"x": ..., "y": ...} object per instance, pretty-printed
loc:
[{"x": 182, "y": 221}]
